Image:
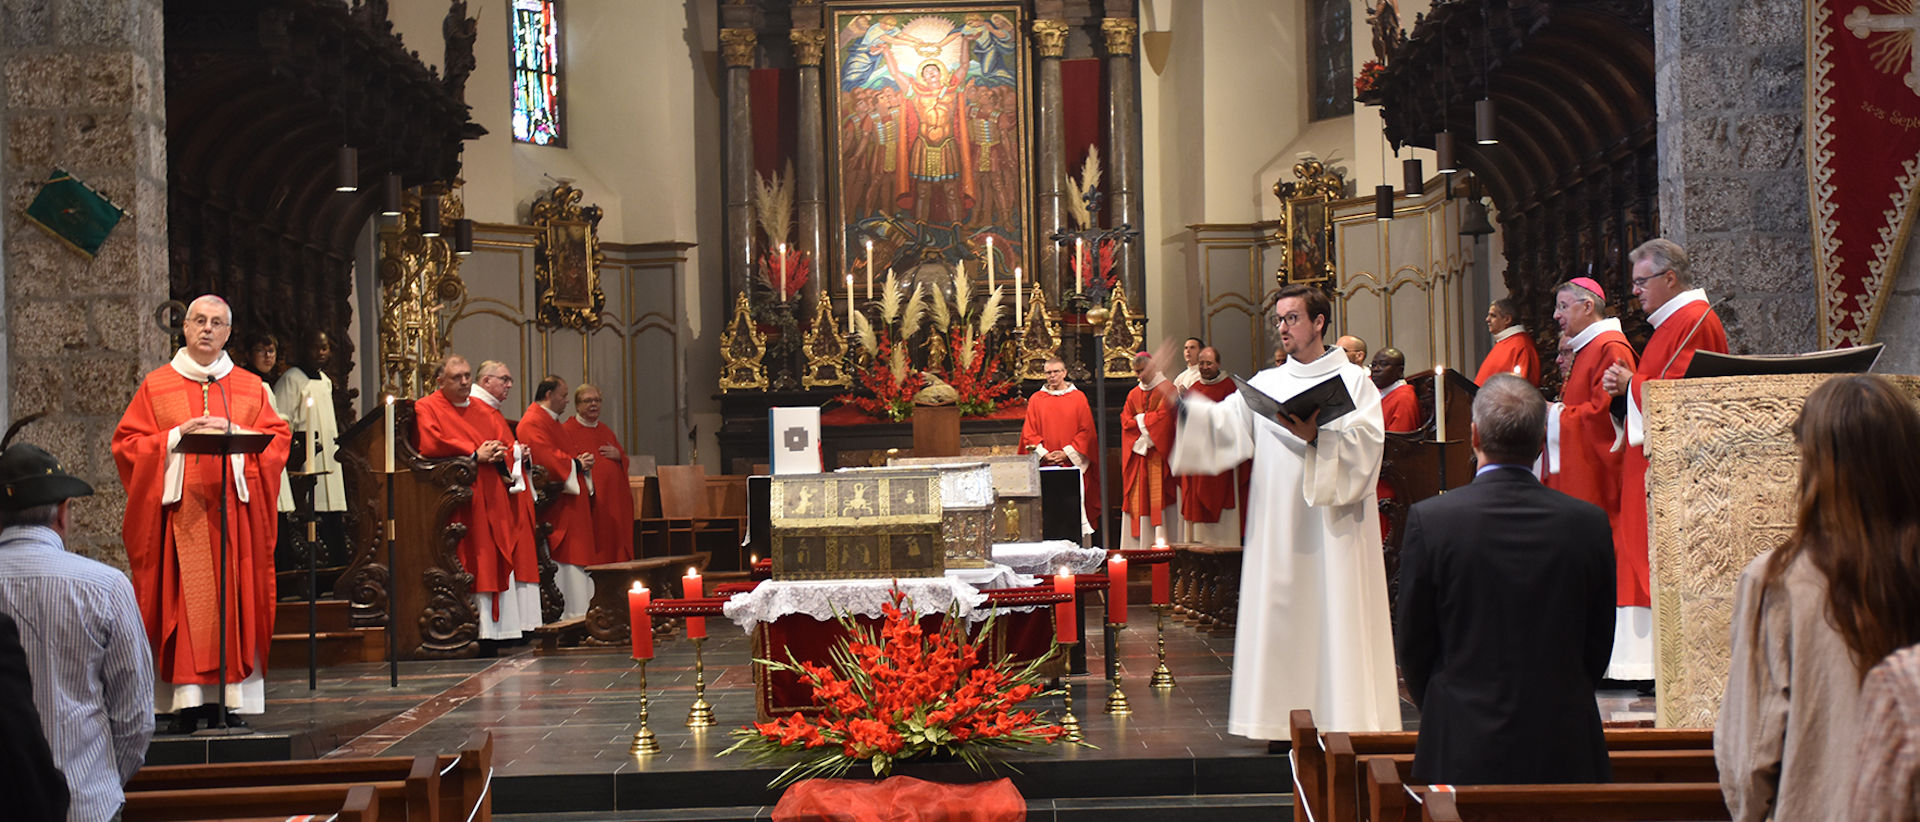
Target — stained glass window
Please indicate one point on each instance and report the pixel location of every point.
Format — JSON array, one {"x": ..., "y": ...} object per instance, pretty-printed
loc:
[{"x": 536, "y": 72}]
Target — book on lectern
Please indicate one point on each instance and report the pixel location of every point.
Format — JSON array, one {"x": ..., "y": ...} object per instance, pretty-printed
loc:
[
  {"x": 1329, "y": 396},
  {"x": 1857, "y": 360}
]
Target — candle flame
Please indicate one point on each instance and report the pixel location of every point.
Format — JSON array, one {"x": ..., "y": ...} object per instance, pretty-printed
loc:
[
  {"x": 692, "y": 571},
  {"x": 389, "y": 399},
  {"x": 1062, "y": 572},
  {"x": 639, "y": 588},
  {"x": 1439, "y": 370},
  {"x": 1516, "y": 370}
]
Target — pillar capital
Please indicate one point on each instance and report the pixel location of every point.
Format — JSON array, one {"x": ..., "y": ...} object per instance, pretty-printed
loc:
[
  {"x": 1050, "y": 37},
  {"x": 1121, "y": 33},
  {"x": 809, "y": 45},
  {"x": 736, "y": 47}
]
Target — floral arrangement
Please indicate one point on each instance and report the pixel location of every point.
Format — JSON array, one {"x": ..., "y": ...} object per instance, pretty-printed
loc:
[
  {"x": 888, "y": 379},
  {"x": 903, "y": 693},
  {"x": 799, "y": 265},
  {"x": 1369, "y": 77},
  {"x": 1097, "y": 262},
  {"x": 957, "y": 336}
]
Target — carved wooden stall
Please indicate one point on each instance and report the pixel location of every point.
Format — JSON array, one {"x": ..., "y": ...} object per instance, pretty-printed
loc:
[{"x": 1574, "y": 175}]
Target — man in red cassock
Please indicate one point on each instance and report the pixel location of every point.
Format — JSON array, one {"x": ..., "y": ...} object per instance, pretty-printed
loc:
[
  {"x": 172, "y": 527},
  {"x": 1146, "y": 438},
  {"x": 1399, "y": 408},
  {"x": 1060, "y": 429},
  {"x": 499, "y": 542},
  {"x": 570, "y": 543},
  {"x": 607, "y": 485},
  {"x": 1513, "y": 351},
  {"x": 1212, "y": 503},
  {"x": 1683, "y": 323},
  {"x": 1581, "y": 428}
]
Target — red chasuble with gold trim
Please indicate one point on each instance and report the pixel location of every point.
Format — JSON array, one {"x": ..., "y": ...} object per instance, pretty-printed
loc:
[{"x": 172, "y": 547}]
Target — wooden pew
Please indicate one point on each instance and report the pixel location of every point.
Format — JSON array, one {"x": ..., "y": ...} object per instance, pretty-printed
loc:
[
  {"x": 1345, "y": 780},
  {"x": 1309, "y": 768},
  {"x": 417, "y": 789},
  {"x": 1616, "y": 802},
  {"x": 1387, "y": 797}
]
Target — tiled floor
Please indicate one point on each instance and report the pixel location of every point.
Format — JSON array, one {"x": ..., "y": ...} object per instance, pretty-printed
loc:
[{"x": 562, "y": 724}]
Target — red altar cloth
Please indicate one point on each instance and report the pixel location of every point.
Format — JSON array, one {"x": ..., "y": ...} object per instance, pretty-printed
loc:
[{"x": 900, "y": 799}]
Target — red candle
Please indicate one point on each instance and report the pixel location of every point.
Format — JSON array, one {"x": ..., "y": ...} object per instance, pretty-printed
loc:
[
  {"x": 1063, "y": 623},
  {"x": 1117, "y": 589},
  {"x": 691, "y": 588},
  {"x": 1163, "y": 579},
  {"x": 641, "y": 622}
]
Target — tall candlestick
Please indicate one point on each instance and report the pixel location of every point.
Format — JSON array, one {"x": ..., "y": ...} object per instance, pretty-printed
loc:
[
  {"x": 1019, "y": 308},
  {"x": 1117, "y": 589},
  {"x": 989, "y": 264},
  {"x": 1065, "y": 628},
  {"x": 1079, "y": 273},
  {"x": 1440, "y": 403},
  {"x": 783, "y": 271},
  {"x": 691, "y": 588},
  {"x": 869, "y": 269},
  {"x": 390, "y": 443},
  {"x": 640, "y": 621},
  {"x": 1163, "y": 578}
]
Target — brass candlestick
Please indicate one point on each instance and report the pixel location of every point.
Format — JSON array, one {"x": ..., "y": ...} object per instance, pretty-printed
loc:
[
  {"x": 1069, "y": 724},
  {"x": 701, "y": 714},
  {"x": 644, "y": 742},
  {"x": 1116, "y": 699},
  {"x": 1162, "y": 678}
]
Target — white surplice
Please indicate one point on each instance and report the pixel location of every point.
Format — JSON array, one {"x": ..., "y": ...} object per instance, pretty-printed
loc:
[{"x": 1314, "y": 629}]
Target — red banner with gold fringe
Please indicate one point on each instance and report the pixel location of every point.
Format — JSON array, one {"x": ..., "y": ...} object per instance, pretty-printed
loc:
[{"x": 1863, "y": 156}]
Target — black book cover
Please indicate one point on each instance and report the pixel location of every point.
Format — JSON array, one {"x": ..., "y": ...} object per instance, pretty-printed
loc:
[{"x": 1329, "y": 396}]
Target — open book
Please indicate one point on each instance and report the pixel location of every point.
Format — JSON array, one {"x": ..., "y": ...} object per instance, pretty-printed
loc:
[{"x": 1329, "y": 396}]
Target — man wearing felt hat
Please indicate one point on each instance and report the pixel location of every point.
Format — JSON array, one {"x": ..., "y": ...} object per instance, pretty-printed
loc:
[{"x": 81, "y": 630}]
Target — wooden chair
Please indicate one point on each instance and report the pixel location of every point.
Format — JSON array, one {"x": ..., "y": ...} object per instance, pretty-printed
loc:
[{"x": 686, "y": 506}]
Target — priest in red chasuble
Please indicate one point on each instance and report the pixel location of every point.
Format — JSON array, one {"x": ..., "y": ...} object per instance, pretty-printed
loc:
[
  {"x": 1683, "y": 323},
  {"x": 570, "y": 543},
  {"x": 1513, "y": 351},
  {"x": 1060, "y": 429},
  {"x": 1146, "y": 438},
  {"x": 1212, "y": 503},
  {"x": 1399, "y": 407},
  {"x": 607, "y": 487},
  {"x": 498, "y": 548},
  {"x": 172, "y": 525}
]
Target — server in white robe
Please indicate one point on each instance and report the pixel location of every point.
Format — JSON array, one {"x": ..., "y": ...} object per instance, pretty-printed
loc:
[{"x": 1314, "y": 629}]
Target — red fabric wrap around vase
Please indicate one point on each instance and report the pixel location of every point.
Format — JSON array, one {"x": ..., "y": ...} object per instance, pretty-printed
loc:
[{"x": 900, "y": 799}]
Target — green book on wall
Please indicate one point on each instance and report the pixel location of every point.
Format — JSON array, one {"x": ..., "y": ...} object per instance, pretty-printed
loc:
[{"x": 73, "y": 213}]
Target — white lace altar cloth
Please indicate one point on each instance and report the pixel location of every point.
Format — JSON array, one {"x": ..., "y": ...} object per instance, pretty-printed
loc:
[{"x": 1047, "y": 557}]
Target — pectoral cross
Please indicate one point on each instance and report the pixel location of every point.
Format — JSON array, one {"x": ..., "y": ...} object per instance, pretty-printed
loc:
[{"x": 1863, "y": 23}]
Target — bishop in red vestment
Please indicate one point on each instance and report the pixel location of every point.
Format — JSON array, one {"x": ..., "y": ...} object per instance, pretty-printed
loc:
[
  {"x": 1683, "y": 323},
  {"x": 498, "y": 548},
  {"x": 1060, "y": 428},
  {"x": 612, "y": 497},
  {"x": 1205, "y": 500},
  {"x": 570, "y": 542},
  {"x": 172, "y": 522},
  {"x": 1146, "y": 438},
  {"x": 1513, "y": 351},
  {"x": 1581, "y": 427}
]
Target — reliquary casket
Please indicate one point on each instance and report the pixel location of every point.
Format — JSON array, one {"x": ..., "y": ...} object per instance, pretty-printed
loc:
[
  {"x": 868, "y": 525},
  {"x": 1016, "y": 492}
]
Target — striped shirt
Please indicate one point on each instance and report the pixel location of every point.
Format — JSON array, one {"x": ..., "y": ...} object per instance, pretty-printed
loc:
[
  {"x": 92, "y": 670},
  {"x": 1888, "y": 786}
]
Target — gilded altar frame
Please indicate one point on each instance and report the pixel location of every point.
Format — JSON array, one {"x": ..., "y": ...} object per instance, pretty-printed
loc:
[
  {"x": 1306, "y": 224},
  {"x": 566, "y": 261}
]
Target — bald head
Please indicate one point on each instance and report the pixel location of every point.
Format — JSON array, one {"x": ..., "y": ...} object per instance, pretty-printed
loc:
[{"x": 1356, "y": 348}]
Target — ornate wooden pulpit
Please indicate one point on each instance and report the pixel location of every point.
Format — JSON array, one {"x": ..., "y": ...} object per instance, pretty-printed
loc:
[{"x": 1416, "y": 465}]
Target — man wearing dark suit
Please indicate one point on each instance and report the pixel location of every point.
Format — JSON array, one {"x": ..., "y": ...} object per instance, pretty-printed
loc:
[
  {"x": 35, "y": 789},
  {"x": 1506, "y": 613}
]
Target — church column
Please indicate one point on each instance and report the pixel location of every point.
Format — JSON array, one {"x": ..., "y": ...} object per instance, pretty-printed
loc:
[
  {"x": 809, "y": 45},
  {"x": 736, "y": 49},
  {"x": 1049, "y": 43},
  {"x": 1123, "y": 148}
]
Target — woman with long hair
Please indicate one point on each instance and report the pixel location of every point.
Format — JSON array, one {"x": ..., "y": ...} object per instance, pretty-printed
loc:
[{"x": 1813, "y": 615}]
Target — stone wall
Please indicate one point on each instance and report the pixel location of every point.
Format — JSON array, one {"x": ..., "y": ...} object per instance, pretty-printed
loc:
[
  {"x": 1730, "y": 81},
  {"x": 84, "y": 91}
]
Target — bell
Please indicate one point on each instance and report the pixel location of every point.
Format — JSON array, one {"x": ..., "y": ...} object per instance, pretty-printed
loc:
[{"x": 1473, "y": 219}]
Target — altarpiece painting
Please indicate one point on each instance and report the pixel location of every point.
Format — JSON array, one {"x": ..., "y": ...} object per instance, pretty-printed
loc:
[{"x": 930, "y": 152}]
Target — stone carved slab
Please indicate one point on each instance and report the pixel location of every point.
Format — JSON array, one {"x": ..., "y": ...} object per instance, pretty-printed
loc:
[{"x": 1721, "y": 479}]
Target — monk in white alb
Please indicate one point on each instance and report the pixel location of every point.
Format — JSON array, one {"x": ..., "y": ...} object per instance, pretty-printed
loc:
[{"x": 1314, "y": 627}]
